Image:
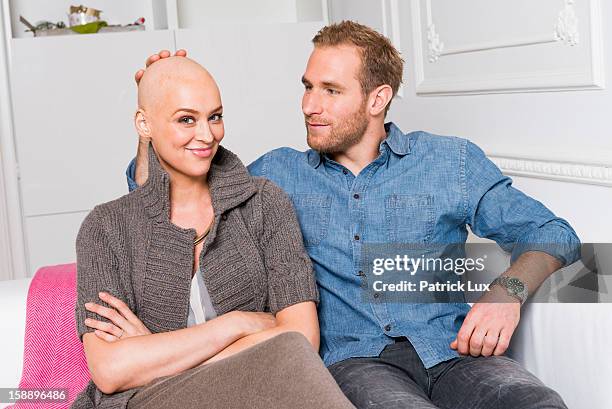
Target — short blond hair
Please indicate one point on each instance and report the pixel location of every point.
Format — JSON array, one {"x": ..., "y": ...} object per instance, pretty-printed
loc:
[{"x": 381, "y": 63}]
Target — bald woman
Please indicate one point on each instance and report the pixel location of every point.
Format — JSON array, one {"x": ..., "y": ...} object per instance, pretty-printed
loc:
[{"x": 195, "y": 290}]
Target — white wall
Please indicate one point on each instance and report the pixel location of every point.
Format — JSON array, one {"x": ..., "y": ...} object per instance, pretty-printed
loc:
[
  {"x": 197, "y": 13},
  {"x": 553, "y": 130},
  {"x": 561, "y": 127}
]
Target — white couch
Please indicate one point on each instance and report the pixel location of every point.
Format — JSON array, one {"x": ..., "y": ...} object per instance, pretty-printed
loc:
[
  {"x": 13, "y": 297},
  {"x": 568, "y": 346}
]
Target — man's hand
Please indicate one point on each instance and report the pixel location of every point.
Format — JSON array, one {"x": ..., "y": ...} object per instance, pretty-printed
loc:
[
  {"x": 489, "y": 325},
  {"x": 157, "y": 57}
]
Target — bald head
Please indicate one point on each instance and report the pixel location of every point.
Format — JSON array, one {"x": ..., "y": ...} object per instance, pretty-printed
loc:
[
  {"x": 169, "y": 76},
  {"x": 180, "y": 112}
]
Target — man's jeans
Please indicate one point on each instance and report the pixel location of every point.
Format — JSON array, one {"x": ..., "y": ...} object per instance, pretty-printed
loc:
[{"x": 398, "y": 379}]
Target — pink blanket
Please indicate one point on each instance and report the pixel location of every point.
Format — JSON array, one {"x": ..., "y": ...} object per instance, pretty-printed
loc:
[{"x": 53, "y": 355}]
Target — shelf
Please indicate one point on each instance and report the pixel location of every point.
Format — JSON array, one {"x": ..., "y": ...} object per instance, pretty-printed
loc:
[
  {"x": 167, "y": 14},
  {"x": 57, "y": 10}
]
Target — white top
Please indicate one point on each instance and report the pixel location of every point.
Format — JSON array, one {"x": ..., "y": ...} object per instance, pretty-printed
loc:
[{"x": 200, "y": 305}]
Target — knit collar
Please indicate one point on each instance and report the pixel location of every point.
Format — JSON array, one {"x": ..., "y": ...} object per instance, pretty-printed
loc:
[{"x": 228, "y": 179}]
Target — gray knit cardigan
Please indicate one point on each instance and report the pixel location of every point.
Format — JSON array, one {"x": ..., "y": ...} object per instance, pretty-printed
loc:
[{"x": 252, "y": 260}]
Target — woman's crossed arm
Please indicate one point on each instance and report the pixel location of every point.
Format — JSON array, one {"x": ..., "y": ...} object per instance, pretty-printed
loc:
[{"x": 118, "y": 364}]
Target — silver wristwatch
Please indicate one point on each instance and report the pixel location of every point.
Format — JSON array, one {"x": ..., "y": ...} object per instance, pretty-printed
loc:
[{"x": 515, "y": 287}]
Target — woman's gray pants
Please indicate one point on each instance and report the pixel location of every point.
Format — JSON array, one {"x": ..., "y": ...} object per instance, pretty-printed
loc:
[{"x": 282, "y": 372}]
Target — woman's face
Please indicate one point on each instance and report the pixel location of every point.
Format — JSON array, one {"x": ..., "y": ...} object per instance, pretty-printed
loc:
[{"x": 186, "y": 124}]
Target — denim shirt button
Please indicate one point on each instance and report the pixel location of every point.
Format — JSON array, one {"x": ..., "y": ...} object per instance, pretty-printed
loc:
[
  {"x": 376, "y": 295},
  {"x": 344, "y": 171},
  {"x": 387, "y": 328},
  {"x": 356, "y": 196},
  {"x": 356, "y": 237},
  {"x": 360, "y": 273}
]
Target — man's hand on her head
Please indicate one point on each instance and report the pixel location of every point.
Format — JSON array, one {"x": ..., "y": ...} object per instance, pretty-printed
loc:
[
  {"x": 488, "y": 327},
  {"x": 156, "y": 57}
]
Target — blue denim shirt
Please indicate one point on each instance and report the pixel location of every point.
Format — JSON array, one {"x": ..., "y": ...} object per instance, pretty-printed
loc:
[{"x": 422, "y": 188}]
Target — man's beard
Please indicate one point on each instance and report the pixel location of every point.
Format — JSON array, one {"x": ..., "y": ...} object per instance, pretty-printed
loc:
[{"x": 342, "y": 136}]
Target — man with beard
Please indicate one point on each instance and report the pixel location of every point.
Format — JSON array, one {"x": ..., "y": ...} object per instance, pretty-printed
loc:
[{"x": 365, "y": 181}]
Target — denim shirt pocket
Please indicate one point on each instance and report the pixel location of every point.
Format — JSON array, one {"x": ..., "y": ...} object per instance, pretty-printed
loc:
[
  {"x": 313, "y": 211},
  {"x": 409, "y": 218}
]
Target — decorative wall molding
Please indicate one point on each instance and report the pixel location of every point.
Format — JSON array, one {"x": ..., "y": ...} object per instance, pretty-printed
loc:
[
  {"x": 566, "y": 31},
  {"x": 430, "y": 48},
  {"x": 584, "y": 173},
  {"x": 435, "y": 45},
  {"x": 567, "y": 25}
]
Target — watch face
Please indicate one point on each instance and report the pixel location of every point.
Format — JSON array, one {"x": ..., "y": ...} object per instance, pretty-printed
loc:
[{"x": 515, "y": 285}]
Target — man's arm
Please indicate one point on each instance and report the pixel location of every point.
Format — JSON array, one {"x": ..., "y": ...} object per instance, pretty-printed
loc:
[
  {"x": 540, "y": 243},
  {"x": 141, "y": 166},
  {"x": 490, "y": 323},
  {"x": 532, "y": 268},
  {"x": 518, "y": 223}
]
